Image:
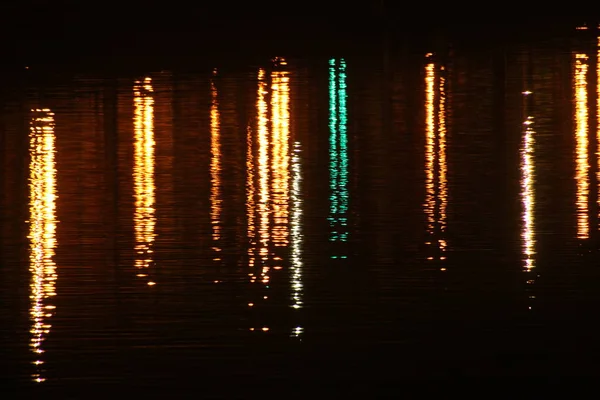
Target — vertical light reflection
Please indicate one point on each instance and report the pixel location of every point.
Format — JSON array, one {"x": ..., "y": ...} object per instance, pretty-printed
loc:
[
  {"x": 250, "y": 203},
  {"x": 582, "y": 142},
  {"x": 436, "y": 166},
  {"x": 528, "y": 192},
  {"x": 42, "y": 231},
  {"x": 280, "y": 136},
  {"x": 273, "y": 202},
  {"x": 263, "y": 175},
  {"x": 296, "y": 229},
  {"x": 215, "y": 170},
  {"x": 430, "y": 147},
  {"x": 443, "y": 167},
  {"x": 143, "y": 177},
  {"x": 338, "y": 153},
  {"x": 598, "y": 124}
]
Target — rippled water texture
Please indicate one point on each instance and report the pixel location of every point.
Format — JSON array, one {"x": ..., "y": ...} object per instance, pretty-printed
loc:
[{"x": 304, "y": 223}]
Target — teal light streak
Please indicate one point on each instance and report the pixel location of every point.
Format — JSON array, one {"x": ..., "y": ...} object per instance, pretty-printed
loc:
[{"x": 338, "y": 152}]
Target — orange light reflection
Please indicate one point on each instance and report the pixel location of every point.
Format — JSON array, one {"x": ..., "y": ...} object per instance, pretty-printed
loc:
[
  {"x": 143, "y": 177},
  {"x": 582, "y": 143},
  {"x": 436, "y": 167},
  {"x": 215, "y": 171},
  {"x": 42, "y": 231}
]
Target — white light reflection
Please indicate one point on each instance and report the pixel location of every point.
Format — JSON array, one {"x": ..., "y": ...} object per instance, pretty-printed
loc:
[
  {"x": 42, "y": 231},
  {"x": 528, "y": 193},
  {"x": 296, "y": 234}
]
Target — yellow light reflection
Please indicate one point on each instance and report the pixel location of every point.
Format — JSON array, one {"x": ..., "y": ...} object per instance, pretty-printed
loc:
[
  {"x": 215, "y": 171},
  {"x": 250, "y": 202},
  {"x": 436, "y": 167},
  {"x": 269, "y": 170},
  {"x": 143, "y": 177},
  {"x": 42, "y": 231},
  {"x": 280, "y": 136},
  {"x": 430, "y": 145},
  {"x": 582, "y": 142},
  {"x": 442, "y": 167},
  {"x": 528, "y": 192},
  {"x": 263, "y": 175}
]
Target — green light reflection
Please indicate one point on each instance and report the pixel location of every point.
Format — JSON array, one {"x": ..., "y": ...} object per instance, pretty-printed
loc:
[{"x": 338, "y": 153}]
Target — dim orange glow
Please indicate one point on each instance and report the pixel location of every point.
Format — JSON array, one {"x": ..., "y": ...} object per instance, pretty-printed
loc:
[
  {"x": 215, "y": 171},
  {"x": 598, "y": 124}
]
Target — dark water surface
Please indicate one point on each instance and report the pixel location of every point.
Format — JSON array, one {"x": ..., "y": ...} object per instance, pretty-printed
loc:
[{"x": 304, "y": 223}]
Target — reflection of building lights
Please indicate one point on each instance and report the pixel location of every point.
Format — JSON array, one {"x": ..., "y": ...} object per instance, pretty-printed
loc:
[
  {"x": 215, "y": 171},
  {"x": 430, "y": 145},
  {"x": 296, "y": 236},
  {"x": 442, "y": 167},
  {"x": 528, "y": 195},
  {"x": 42, "y": 231},
  {"x": 280, "y": 136},
  {"x": 143, "y": 175},
  {"x": 338, "y": 153},
  {"x": 263, "y": 169},
  {"x": 582, "y": 142},
  {"x": 297, "y": 331},
  {"x": 272, "y": 187},
  {"x": 436, "y": 168}
]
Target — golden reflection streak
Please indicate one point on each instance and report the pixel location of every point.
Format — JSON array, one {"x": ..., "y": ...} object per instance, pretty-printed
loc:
[
  {"x": 581, "y": 136},
  {"x": 143, "y": 176},
  {"x": 280, "y": 135},
  {"x": 430, "y": 146},
  {"x": 215, "y": 170},
  {"x": 250, "y": 202},
  {"x": 263, "y": 174},
  {"x": 443, "y": 167},
  {"x": 42, "y": 231},
  {"x": 436, "y": 185}
]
